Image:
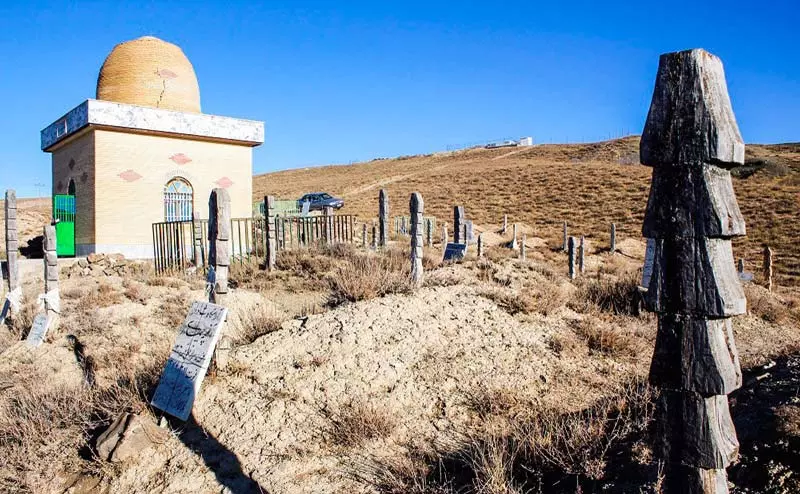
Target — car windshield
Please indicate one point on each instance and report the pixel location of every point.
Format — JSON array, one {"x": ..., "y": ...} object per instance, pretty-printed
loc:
[{"x": 325, "y": 196}]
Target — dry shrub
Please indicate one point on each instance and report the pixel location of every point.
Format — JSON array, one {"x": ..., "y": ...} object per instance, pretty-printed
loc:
[
  {"x": 101, "y": 296},
  {"x": 165, "y": 281},
  {"x": 173, "y": 309},
  {"x": 606, "y": 338},
  {"x": 355, "y": 423},
  {"x": 254, "y": 322},
  {"x": 543, "y": 300},
  {"x": 364, "y": 277},
  {"x": 766, "y": 305},
  {"x": 135, "y": 291},
  {"x": 443, "y": 278},
  {"x": 306, "y": 263},
  {"x": 563, "y": 343},
  {"x": 618, "y": 295}
]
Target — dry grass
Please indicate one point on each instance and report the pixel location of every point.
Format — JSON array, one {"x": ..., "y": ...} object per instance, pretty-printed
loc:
[
  {"x": 101, "y": 296},
  {"x": 355, "y": 423},
  {"x": 542, "y": 300},
  {"x": 366, "y": 276},
  {"x": 768, "y": 306},
  {"x": 254, "y": 322},
  {"x": 609, "y": 338},
  {"x": 617, "y": 295},
  {"x": 172, "y": 309}
]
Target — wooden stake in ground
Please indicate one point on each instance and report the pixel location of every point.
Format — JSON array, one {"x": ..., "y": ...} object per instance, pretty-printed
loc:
[
  {"x": 445, "y": 237},
  {"x": 505, "y": 224},
  {"x": 417, "y": 209},
  {"x": 768, "y": 267},
  {"x": 197, "y": 234},
  {"x": 514, "y": 236},
  {"x": 564, "y": 246},
  {"x": 383, "y": 217},
  {"x": 429, "y": 232},
  {"x": 571, "y": 257},
  {"x": 364, "y": 235},
  {"x": 219, "y": 234},
  {"x": 269, "y": 222},
  {"x": 374, "y": 236},
  {"x": 691, "y": 140},
  {"x": 581, "y": 252},
  {"x": 480, "y": 245},
  {"x": 458, "y": 225},
  {"x": 522, "y": 251},
  {"x": 613, "y": 247}
]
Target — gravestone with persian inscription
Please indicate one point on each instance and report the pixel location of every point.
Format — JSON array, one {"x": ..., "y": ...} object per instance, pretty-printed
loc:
[
  {"x": 189, "y": 360},
  {"x": 455, "y": 252},
  {"x": 38, "y": 330}
]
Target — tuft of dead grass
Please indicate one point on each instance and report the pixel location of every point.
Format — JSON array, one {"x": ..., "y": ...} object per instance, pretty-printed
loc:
[
  {"x": 355, "y": 423},
  {"x": 608, "y": 338},
  {"x": 172, "y": 309},
  {"x": 617, "y": 295},
  {"x": 101, "y": 296},
  {"x": 543, "y": 300},
  {"x": 254, "y": 322},
  {"x": 366, "y": 276},
  {"x": 767, "y": 305}
]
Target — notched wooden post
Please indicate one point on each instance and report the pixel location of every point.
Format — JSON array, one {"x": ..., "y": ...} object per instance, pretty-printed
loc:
[
  {"x": 272, "y": 239},
  {"x": 13, "y": 299},
  {"x": 458, "y": 225},
  {"x": 691, "y": 140},
  {"x": 417, "y": 210},
  {"x": 383, "y": 217}
]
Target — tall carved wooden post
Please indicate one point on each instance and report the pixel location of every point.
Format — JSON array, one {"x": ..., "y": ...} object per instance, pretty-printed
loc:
[
  {"x": 197, "y": 242},
  {"x": 458, "y": 225},
  {"x": 364, "y": 235},
  {"x": 480, "y": 245},
  {"x": 271, "y": 253},
  {"x": 571, "y": 257},
  {"x": 219, "y": 234},
  {"x": 613, "y": 247},
  {"x": 691, "y": 140},
  {"x": 14, "y": 295},
  {"x": 429, "y": 232},
  {"x": 582, "y": 255},
  {"x": 383, "y": 217},
  {"x": 52, "y": 300},
  {"x": 374, "y": 236},
  {"x": 417, "y": 209}
]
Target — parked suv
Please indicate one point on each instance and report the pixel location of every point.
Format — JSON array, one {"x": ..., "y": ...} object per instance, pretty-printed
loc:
[{"x": 319, "y": 201}]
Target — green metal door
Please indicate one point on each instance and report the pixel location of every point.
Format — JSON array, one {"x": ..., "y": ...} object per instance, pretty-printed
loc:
[{"x": 64, "y": 215}]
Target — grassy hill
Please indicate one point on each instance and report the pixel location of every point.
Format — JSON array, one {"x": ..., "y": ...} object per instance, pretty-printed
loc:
[{"x": 589, "y": 185}]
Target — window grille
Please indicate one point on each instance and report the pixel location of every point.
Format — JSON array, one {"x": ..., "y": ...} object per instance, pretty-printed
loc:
[{"x": 178, "y": 201}]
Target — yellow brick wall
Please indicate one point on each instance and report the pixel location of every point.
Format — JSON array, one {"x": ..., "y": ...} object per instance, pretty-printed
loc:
[
  {"x": 126, "y": 209},
  {"x": 75, "y": 161}
]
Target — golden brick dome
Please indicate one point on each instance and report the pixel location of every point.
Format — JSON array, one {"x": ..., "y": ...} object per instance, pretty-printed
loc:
[{"x": 149, "y": 72}]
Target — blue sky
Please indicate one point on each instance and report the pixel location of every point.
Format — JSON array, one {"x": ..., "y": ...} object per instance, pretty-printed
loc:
[{"x": 337, "y": 82}]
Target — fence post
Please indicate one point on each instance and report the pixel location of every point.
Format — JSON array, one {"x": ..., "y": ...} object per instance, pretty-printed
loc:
[
  {"x": 416, "y": 210},
  {"x": 613, "y": 237},
  {"x": 480, "y": 245},
  {"x": 383, "y": 217},
  {"x": 271, "y": 251},
  {"x": 581, "y": 252},
  {"x": 522, "y": 252},
  {"x": 505, "y": 225},
  {"x": 768, "y": 267},
  {"x": 52, "y": 302},
  {"x": 565, "y": 236},
  {"x": 691, "y": 140},
  {"x": 197, "y": 242},
  {"x": 444, "y": 236},
  {"x": 219, "y": 234},
  {"x": 571, "y": 256},
  {"x": 514, "y": 237}
]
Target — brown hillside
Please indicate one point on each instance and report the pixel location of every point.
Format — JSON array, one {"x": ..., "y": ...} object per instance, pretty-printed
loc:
[{"x": 589, "y": 185}]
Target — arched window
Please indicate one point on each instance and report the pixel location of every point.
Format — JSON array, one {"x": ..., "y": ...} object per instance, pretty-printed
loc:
[{"x": 178, "y": 200}]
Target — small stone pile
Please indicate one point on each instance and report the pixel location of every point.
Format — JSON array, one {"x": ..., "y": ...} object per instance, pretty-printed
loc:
[{"x": 103, "y": 265}]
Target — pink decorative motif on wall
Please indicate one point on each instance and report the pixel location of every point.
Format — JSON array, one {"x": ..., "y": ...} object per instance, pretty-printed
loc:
[
  {"x": 224, "y": 182},
  {"x": 180, "y": 158},
  {"x": 166, "y": 74},
  {"x": 129, "y": 176}
]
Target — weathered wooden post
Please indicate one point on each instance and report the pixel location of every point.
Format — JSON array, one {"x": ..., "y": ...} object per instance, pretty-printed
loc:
[
  {"x": 197, "y": 242},
  {"x": 383, "y": 217},
  {"x": 480, "y": 245},
  {"x": 571, "y": 256},
  {"x": 768, "y": 267},
  {"x": 458, "y": 224},
  {"x": 52, "y": 299},
  {"x": 364, "y": 235},
  {"x": 417, "y": 210},
  {"x": 514, "y": 236},
  {"x": 522, "y": 248},
  {"x": 14, "y": 295},
  {"x": 327, "y": 211},
  {"x": 613, "y": 248},
  {"x": 429, "y": 232},
  {"x": 374, "y": 236},
  {"x": 691, "y": 140},
  {"x": 219, "y": 234},
  {"x": 272, "y": 243},
  {"x": 445, "y": 237},
  {"x": 581, "y": 250},
  {"x": 740, "y": 267},
  {"x": 505, "y": 224},
  {"x": 565, "y": 237}
]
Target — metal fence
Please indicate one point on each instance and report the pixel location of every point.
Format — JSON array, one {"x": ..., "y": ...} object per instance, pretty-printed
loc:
[{"x": 178, "y": 245}]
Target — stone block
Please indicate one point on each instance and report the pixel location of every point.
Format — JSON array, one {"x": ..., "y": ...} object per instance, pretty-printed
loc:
[
  {"x": 690, "y": 119},
  {"x": 696, "y": 355}
]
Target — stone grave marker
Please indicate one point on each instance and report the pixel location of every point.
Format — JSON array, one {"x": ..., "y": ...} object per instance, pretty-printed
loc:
[
  {"x": 189, "y": 360},
  {"x": 383, "y": 217},
  {"x": 38, "y": 330},
  {"x": 613, "y": 247},
  {"x": 455, "y": 252},
  {"x": 417, "y": 210},
  {"x": 458, "y": 224},
  {"x": 271, "y": 236}
]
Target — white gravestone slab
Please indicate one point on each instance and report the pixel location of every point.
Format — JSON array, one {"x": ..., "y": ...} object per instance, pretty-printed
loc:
[
  {"x": 38, "y": 330},
  {"x": 306, "y": 207},
  {"x": 189, "y": 360},
  {"x": 746, "y": 276},
  {"x": 649, "y": 258}
]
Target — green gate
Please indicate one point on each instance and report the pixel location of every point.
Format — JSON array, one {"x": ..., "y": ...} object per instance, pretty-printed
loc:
[{"x": 64, "y": 216}]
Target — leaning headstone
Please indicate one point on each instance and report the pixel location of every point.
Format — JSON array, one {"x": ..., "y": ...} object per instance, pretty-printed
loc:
[
  {"x": 38, "y": 331},
  {"x": 522, "y": 247},
  {"x": 565, "y": 237},
  {"x": 269, "y": 221},
  {"x": 458, "y": 224},
  {"x": 189, "y": 360},
  {"x": 691, "y": 140},
  {"x": 480, "y": 245},
  {"x": 219, "y": 234},
  {"x": 571, "y": 256},
  {"x": 581, "y": 255},
  {"x": 613, "y": 248},
  {"x": 768, "y": 267},
  {"x": 383, "y": 217},
  {"x": 417, "y": 209},
  {"x": 455, "y": 252}
]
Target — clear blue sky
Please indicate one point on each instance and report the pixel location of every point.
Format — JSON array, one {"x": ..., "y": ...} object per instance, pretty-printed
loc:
[{"x": 345, "y": 81}]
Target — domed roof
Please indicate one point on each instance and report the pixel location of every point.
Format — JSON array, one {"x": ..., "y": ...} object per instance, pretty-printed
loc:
[{"x": 149, "y": 72}]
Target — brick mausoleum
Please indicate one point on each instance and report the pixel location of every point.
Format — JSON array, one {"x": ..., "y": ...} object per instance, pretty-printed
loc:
[{"x": 142, "y": 152}]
